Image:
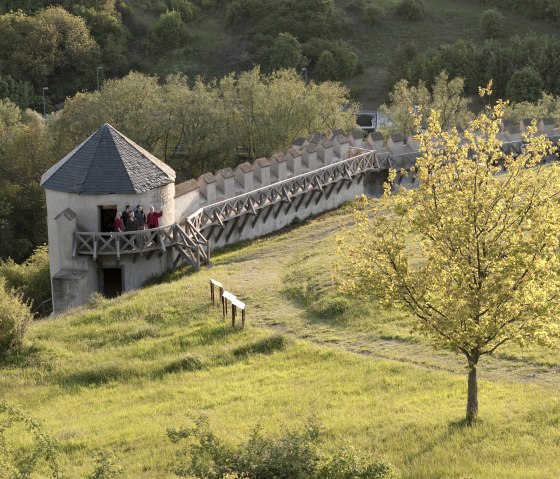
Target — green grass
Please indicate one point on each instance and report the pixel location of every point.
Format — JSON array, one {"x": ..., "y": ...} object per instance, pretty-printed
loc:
[{"x": 115, "y": 377}]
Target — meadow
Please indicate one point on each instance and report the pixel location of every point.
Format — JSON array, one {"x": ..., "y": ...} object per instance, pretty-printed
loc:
[{"x": 116, "y": 374}]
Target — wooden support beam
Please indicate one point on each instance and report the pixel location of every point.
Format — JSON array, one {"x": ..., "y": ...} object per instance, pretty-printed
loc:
[
  {"x": 218, "y": 219},
  {"x": 95, "y": 248},
  {"x": 300, "y": 202},
  {"x": 232, "y": 227},
  {"x": 210, "y": 231},
  {"x": 330, "y": 190},
  {"x": 311, "y": 195},
  {"x": 319, "y": 196},
  {"x": 289, "y": 206},
  {"x": 243, "y": 223},
  {"x": 267, "y": 214},
  {"x": 252, "y": 208},
  {"x": 118, "y": 247},
  {"x": 278, "y": 210},
  {"x": 220, "y": 232},
  {"x": 257, "y": 217},
  {"x": 176, "y": 260}
]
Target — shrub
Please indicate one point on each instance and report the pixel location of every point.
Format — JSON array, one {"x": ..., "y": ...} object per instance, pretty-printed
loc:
[
  {"x": 525, "y": 85},
  {"x": 373, "y": 14},
  {"x": 185, "y": 8},
  {"x": 169, "y": 31},
  {"x": 412, "y": 10},
  {"x": 492, "y": 24},
  {"x": 96, "y": 300},
  {"x": 325, "y": 69},
  {"x": 40, "y": 451},
  {"x": 285, "y": 52},
  {"x": 295, "y": 455},
  {"x": 15, "y": 316},
  {"x": 107, "y": 466},
  {"x": 32, "y": 279}
]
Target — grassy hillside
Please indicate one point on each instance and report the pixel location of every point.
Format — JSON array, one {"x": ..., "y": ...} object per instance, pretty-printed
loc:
[
  {"x": 117, "y": 374},
  {"x": 217, "y": 48}
]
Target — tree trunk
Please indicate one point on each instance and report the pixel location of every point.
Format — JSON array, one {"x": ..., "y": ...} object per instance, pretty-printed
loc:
[{"x": 472, "y": 396}]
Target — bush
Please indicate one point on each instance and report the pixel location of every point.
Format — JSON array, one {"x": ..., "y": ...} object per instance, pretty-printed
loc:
[
  {"x": 373, "y": 14},
  {"x": 337, "y": 63},
  {"x": 35, "y": 449},
  {"x": 293, "y": 456},
  {"x": 412, "y": 10},
  {"x": 185, "y": 8},
  {"x": 492, "y": 24},
  {"x": 15, "y": 316},
  {"x": 107, "y": 466},
  {"x": 169, "y": 31},
  {"x": 32, "y": 279},
  {"x": 285, "y": 52},
  {"x": 525, "y": 85},
  {"x": 325, "y": 69}
]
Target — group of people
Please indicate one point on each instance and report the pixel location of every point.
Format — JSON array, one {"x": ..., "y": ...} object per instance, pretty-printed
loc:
[{"x": 136, "y": 220}]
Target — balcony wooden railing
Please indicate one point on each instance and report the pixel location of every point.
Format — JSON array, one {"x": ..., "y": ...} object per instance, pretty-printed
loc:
[
  {"x": 191, "y": 247},
  {"x": 290, "y": 193}
]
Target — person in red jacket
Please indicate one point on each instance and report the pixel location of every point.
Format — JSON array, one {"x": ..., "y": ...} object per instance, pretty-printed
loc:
[
  {"x": 118, "y": 223},
  {"x": 153, "y": 218}
]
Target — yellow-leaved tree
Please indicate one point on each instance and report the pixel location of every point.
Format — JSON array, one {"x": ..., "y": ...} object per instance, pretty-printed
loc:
[{"x": 473, "y": 252}]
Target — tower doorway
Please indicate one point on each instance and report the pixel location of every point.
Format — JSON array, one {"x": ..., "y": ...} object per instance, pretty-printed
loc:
[
  {"x": 107, "y": 218},
  {"x": 112, "y": 282}
]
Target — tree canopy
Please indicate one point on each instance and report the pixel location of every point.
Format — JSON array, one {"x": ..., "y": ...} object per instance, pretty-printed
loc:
[
  {"x": 472, "y": 253},
  {"x": 408, "y": 102},
  {"x": 194, "y": 125}
]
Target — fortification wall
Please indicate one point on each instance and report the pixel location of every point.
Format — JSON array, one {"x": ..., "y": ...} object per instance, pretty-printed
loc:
[{"x": 256, "y": 198}]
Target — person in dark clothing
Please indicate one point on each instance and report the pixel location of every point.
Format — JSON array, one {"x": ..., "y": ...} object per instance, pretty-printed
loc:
[
  {"x": 140, "y": 218},
  {"x": 153, "y": 218},
  {"x": 132, "y": 225},
  {"x": 125, "y": 216}
]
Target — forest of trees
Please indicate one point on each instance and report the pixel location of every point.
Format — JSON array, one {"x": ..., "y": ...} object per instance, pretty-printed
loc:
[
  {"x": 193, "y": 126},
  {"x": 67, "y": 50}
]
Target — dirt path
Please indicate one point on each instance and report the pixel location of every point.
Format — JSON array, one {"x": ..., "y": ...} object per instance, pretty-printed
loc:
[{"x": 273, "y": 257}]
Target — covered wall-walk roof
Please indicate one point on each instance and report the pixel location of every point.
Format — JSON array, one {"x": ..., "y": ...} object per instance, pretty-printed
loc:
[{"x": 107, "y": 162}]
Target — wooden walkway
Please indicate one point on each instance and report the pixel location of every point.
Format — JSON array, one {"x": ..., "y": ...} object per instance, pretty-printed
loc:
[{"x": 191, "y": 246}]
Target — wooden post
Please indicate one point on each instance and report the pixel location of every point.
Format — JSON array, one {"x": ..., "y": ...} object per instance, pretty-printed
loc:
[
  {"x": 233, "y": 311},
  {"x": 212, "y": 292},
  {"x": 243, "y": 318}
]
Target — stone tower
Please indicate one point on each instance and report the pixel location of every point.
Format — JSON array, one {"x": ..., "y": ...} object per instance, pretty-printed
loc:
[{"x": 84, "y": 192}]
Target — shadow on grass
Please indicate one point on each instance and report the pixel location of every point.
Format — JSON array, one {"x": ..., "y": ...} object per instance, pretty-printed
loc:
[
  {"x": 189, "y": 363},
  {"x": 170, "y": 276},
  {"x": 268, "y": 345},
  {"x": 96, "y": 376},
  {"x": 210, "y": 334}
]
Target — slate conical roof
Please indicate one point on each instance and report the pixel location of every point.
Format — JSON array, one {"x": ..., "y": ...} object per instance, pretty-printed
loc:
[{"x": 107, "y": 162}]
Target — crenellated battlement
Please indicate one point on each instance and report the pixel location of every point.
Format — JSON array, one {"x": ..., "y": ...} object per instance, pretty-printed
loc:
[
  {"x": 88, "y": 189},
  {"x": 329, "y": 170}
]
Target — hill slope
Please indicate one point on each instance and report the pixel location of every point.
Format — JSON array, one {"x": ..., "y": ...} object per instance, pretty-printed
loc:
[{"x": 116, "y": 375}]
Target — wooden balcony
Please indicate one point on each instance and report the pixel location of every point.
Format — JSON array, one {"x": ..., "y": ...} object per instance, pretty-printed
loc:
[{"x": 192, "y": 247}]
